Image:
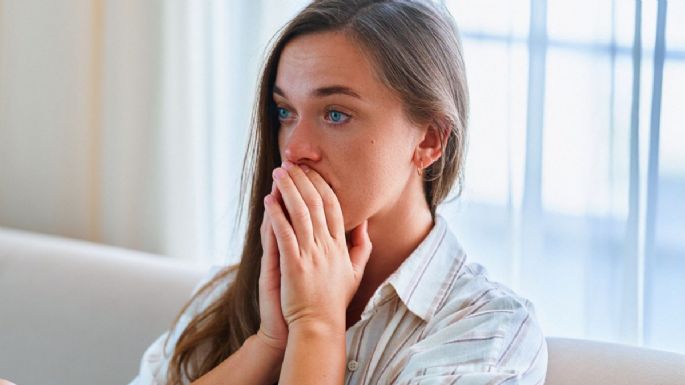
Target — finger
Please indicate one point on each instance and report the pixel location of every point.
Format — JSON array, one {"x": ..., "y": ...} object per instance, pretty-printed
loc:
[
  {"x": 296, "y": 207},
  {"x": 311, "y": 197},
  {"x": 266, "y": 225},
  {"x": 360, "y": 247},
  {"x": 276, "y": 193},
  {"x": 271, "y": 237},
  {"x": 285, "y": 235},
  {"x": 269, "y": 262},
  {"x": 270, "y": 252},
  {"x": 331, "y": 205}
]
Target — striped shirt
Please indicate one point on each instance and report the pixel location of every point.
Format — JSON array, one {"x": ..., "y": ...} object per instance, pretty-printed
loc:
[{"x": 435, "y": 320}]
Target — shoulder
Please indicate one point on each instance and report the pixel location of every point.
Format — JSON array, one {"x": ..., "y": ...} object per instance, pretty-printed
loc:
[
  {"x": 473, "y": 293},
  {"x": 485, "y": 326}
]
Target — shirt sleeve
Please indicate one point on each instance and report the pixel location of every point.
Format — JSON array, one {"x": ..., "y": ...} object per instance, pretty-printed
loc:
[
  {"x": 150, "y": 372},
  {"x": 155, "y": 360},
  {"x": 495, "y": 342}
]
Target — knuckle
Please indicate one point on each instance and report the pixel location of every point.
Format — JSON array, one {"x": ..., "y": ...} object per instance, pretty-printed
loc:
[
  {"x": 329, "y": 204},
  {"x": 328, "y": 194},
  {"x": 287, "y": 236},
  {"x": 300, "y": 213},
  {"x": 315, "y": 202}
]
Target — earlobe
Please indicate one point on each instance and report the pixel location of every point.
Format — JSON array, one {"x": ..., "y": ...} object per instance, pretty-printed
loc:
[
  {"x": 419, "y": 169},
  {"x": 430, "y": 148}
]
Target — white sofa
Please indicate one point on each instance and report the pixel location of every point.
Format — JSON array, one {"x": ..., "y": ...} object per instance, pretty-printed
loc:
[{"x": 76, "y": 313}]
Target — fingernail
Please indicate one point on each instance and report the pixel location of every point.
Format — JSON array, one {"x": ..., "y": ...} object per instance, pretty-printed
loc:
[
  {"x": 279, "y": 173},
  {"x": 304, "y": 167},
  {"x": 268, "y": 199},
  {"x": 287, "y": 165}
]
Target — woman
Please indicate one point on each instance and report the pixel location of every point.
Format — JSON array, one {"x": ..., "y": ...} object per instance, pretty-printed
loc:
[{"x": 348, "y": 275}]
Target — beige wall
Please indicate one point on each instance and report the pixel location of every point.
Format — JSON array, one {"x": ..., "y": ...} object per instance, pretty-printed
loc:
[
  {"x": 46, "y": 122},
  {"x": 75, "y": 74}
]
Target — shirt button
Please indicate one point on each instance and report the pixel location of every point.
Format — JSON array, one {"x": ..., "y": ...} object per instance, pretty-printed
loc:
[{"x": 352, "y": 365}]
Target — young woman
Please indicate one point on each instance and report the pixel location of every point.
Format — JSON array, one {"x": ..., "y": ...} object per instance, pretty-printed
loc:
[{"x": 348, "y": 275}]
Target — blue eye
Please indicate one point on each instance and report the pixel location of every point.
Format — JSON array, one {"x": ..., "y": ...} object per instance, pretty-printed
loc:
[
  {"x": 283, "y": 113},
  {"x": 337, "y": 116}
]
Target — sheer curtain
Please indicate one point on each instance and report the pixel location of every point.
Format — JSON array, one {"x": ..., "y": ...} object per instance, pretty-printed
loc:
[
  {"x": 575, "y": 180},
  {"x": 212, "y": 55}
]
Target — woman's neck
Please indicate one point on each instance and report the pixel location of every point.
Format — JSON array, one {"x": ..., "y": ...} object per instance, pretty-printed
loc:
[
  {"x": 394, "y": 234},
  {"x": 394, "y": 238}
]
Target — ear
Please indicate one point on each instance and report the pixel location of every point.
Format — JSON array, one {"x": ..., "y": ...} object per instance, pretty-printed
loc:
[{"x": 429, "y": 148}]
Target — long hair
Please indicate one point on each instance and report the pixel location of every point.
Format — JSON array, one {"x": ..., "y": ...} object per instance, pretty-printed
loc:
[{"x": 416, "y": 52}]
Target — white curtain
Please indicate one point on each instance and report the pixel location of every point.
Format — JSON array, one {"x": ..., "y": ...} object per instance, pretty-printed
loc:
[
  {"x": 124, "y": 122},
  {"x": 214, "y": 53},
  {"x": 575, "y": 184}
]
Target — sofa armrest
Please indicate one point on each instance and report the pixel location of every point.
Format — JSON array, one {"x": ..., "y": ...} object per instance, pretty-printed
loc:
[
  {"x": 77, "y": 313},
  {"x": 573, "y": 361}
]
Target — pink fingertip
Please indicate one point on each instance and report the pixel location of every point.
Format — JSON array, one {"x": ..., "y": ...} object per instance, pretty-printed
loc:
[{"x": 279, "y": 173}]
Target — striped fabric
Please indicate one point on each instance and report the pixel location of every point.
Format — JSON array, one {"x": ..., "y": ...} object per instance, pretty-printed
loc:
[{"x": 435, "y": 320}]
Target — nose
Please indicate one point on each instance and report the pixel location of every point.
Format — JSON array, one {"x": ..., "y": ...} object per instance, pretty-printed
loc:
[{"x": 299, "y": 143}]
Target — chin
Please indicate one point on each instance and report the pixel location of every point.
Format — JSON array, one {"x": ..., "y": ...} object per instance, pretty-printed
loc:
[
  {"x": 349, "y": 222},
  {"x": 354, "y": 219},
  {"x": 348, "y": 225}
]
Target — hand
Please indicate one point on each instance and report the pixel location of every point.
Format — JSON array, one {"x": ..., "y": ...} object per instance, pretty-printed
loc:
[
  {"x": 320, "y": 275},
  {"x": 272, "y": 330}
]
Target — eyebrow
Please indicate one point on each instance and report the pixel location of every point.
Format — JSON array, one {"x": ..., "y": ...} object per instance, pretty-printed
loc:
[{"x": 325, "y": 91}]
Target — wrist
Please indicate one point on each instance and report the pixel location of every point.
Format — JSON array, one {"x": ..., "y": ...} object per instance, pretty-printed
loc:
[
  {"x": 271, "y": 354},
  {"x": 274, "y": 345},
  {"x": 316, "y": 352},
  {"x": 312, "y": 327}
]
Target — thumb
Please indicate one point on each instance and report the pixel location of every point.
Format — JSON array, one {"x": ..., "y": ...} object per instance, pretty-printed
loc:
[{"x": 360, "y": 247}]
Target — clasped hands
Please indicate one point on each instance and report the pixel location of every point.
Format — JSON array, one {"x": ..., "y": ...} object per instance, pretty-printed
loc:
[{"x": 309, "y": 270}]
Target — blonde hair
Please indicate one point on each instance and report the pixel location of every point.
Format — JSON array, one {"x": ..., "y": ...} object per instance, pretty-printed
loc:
[{"x": 417, "y": 53}]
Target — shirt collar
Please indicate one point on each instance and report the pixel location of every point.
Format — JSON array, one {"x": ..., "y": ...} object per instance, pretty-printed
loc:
[{"x": 424, "y": 279}]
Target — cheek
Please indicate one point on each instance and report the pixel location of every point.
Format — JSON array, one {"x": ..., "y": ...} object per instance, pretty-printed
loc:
[
  {"x": 372, "y": 167},
  {"x": 371, "y": 179}
]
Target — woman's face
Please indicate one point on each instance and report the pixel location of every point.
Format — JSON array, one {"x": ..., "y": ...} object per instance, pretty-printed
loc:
[{"x": 337, "y": 118}]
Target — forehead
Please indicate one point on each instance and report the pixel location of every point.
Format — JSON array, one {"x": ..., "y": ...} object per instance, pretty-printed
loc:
[{"x": 324, "y": 59}]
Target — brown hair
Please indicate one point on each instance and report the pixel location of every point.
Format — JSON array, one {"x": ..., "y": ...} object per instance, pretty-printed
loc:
[{"x": 417, "y": 53}]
